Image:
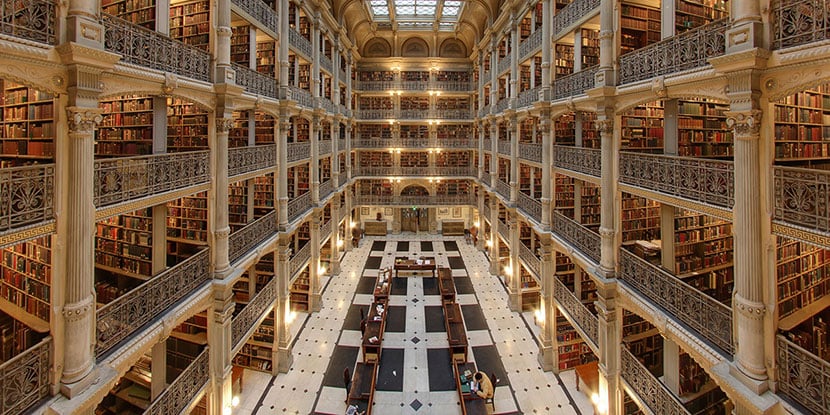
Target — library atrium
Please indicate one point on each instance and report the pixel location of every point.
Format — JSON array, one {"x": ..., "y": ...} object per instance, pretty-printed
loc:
[{"x": 286, "y": 206}]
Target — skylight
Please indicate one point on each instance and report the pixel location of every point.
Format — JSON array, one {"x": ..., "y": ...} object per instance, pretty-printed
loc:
[{"x": 417, "y": 14}]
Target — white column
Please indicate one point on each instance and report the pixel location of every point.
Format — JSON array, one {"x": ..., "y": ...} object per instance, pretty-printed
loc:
[
  {"x": 547, "y": 356},
  {"x": 547, "y": 172},
  {"x": 314, "y": 297},
  {"x": 513, "y": 129}
]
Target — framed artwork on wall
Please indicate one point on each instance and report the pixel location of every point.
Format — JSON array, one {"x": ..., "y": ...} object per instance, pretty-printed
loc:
[
  {"x": 388, "y": 211},
  {"x": 456, "y": 212},
  {"x": 443, "y": 211},
  {"x": 364, "y": 211}
]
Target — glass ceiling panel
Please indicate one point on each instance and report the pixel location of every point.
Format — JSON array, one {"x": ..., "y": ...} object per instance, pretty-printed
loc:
[{"x": 417, "y": 13}]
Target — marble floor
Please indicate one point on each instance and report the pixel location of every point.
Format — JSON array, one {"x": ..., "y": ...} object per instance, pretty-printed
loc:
[{"x": 326, "y": 336}]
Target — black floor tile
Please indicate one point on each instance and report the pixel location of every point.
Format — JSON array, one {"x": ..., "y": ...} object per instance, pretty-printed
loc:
[
  {"x": 456, "y": 262},
  {"x": 430, "y": 286},
  {"x": 441, "y": 376},
  {"x": 450, "y": 246},
  {"x": 473, "y": 317},
  {"x": 426, "y": 246},
  {"x": 373, "y": 262},
  {"x": 464, "y": 285},
  {"x": 366, "y": 285},
  {"x": 488, "y": 360},
  {"x": 396, "y": 319},
  {"x": 342, "y": 357},
  {"x": 352, "y": 321},
  {"x": 399, "y": 286},
  {"x": 403, "y": 246},
  {"x": 434, "y": 315},
  {"x": 378, "y": 245},
  {"x": 390, "y": 370}
]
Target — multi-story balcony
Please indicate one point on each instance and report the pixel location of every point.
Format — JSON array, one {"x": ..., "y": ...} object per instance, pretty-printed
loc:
[
  {"x": 802, "y": 200},
  {"x": 802, "y": 376},
  {"x": 325, "y": 63},
  {"x": 24, "y": 379},
  {"x": 185, "y": 390},
  {"x": 327, "y": 105},
  {"x": 578, "y": 236},
  {"x": 503, "y": 189},
  {"x": 453, "y": 86},
  {"x": 31, "y": 20},
  {"x": 576, "y": 159},
  {"x": 504, "y": 65},
  {"x": 300, "y": 44},
  {"x": 384, "y": 114},
  {"x": 502, "y": 104},
  {"x": 362, "y": 142},
  {"x": 257, "y": 12},
  {"x": 530, "y": 45},
  {"x": 252, "y": 235},
  {"x": 255, "y": 82},
  {"x": 651, "y": 392},
  {"x": 574, "y": 84},
  {"x": 300, "y": 96},
  {"x": 324, "y": 147},
  {"x": 298, "y": 205},
  {"x": 298, "y": 151},
  {"x": 421, "y": 142},
  {"x": 575, "y": 310},
  {"x": 530, "y": 152},
  {"x": 573, "y": 14},
  {"x": 246, "y": 321},
  {"x": 484, "y": 111},
  {"x": 432, "y": 200},
  {"x": 530, "y": 206},
  {"x": 528, "y": 98},
  {"x": 251, "y": 161},
  {"x": 456, "y": 114},
  {"x": 458, "y": 143},
  {"x": 504, "y": 147}
]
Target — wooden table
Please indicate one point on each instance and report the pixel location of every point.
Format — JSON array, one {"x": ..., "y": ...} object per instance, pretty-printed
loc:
[
  {"x": 446, "y": 285},
  {"x": 375, "y": 326},
  {"x": 470, "y": 402},
  {"x": 413, "y": 266},
  {"x": 589, "y": 374},
  {"x": 363, "y": 386},
  {"x": 456, "y": 334},
  {"x": 382, "y": 286}
]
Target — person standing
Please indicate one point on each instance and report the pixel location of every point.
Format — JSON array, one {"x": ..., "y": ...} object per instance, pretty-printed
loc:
[{"x": 347, "y": 380}]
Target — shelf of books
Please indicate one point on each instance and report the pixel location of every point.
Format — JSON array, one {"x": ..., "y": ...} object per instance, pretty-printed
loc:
[
  {"x": 127, "y": 127},
  {"x": 241, "y": 45},
  {"x": 590, "y": 206},
  {"x": 16, "y": 337},
  {"x": 640, "y": 218},
  {"x": 644, "y": 341},
  {"x": 138, "y": 12},
  {"x": 187, "y": 127},
  {"x": 266, "y": 58},
  {"x": 642, "y": 128},
  {"x": 698, "y": 392},
  {"x": 629, "y": 406},
  {"x": 131, "y": 394},
  {"x": 190, "y": 22},
  {"x": 237, "y": 205},
  {"x": 450, "y": 103},
  {"x": 411, "y": 159},
  {"x": 378, "y": 103},
  {"x": 27, "y": 125},
  {"x": 258, "y": 352},
  {"x": 563, "y": 189},
  {"x": 453, "y": 187},
  {"x": 415, "y": 76},
  {"x": 264, "y": 195},
  {"x": 587, "y": 290},
  {"x": 452, "y": 76},
  {"x": 565, "y": 130},
  {"x": 187, "y": 224},
  {"x": 571, "y": 348},
  {"x": 639, "y": 27},
  {"x": 299, "y": 291},
  {"x": 375, "y": 159},
  {"x": 410, "y": 131},
  {"x": 264, "y": 129},
  {"x": 454, "y": 132},
  {"x": 123, "y": 248},
  {"x": 702, "y": 130},
  {"x": 375, "y": 76},
  {"x": 690, "y": 14},
  {"x": 531, "y": 290},
  {"x": 802, "y": 128},
  {"x": 564, "y": 61},
  {"x": 590, "y": 47},
  {"x": 564, "y": 269},
  {"x": 411, "y": 103},
  {"x": 193, "y": 330},
  {"x": 382, "y": 131},
  {"x": 703, "y": 253},
  {"x": 26, "y": 284},
  {"x": 298, "y": 180},
  {"x": 803, "y": 281}
]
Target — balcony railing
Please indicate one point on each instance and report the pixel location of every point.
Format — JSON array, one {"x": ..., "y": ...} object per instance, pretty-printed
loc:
[
  {"x": 325, "y": 63},
  {"x": 486, "y": 179},
  {"x": 29, "y": 19},
  {"x": 688, "y": 50},
  {"x": 416, "y": 114},
  {"x": 530, "y": 152},
  {"x": 577, "y": 235},
  {"x": 503, "y": 189},
  {"x": 341, "y": 144},
  {"x": 531, "y": 44},
  {"x": 532, "y": 207},
  {"x": 414, "y": 142},
  {"x": 581, "y": 160},
  {"x": 26, "y": 196},
  {"x": 124, "y": 179},
  {"x": 374, "y": 171},
  {"x": 376, "y": 85},
  {"x": 486, "y": 77},
  {"x": 243, "y": 160},
  {"x": 342, "y": 178},
  {"x": 261, "y": 12},
  {"x": 487, "y": 144},
  {"x": 251, "y": 235},
  {"x": 504, "y": 147},
  {"x": 417, "y": 171},
  {"x": 457, "y": 143},
  {"x": 531, "y": 260},
  {"x": 487, "y": 212},
  {"x": 375, "y": 114},
  {"x": 255, "y": 82},
  {"x": 24, "y": 379},
  {"x": 413, "y": 85},
  {"x": 301, "y": 96},
  {"x": 344, "y": 212},
  {"x": 326, "y": 188},
  {"x": 120, "y": 318},
  {"x": 504, "y": 230},
  {"x": 325, "y": 229},
  {"x": 650, "y": 391},
  {"x": 372, "y": 142},
  {"x": 343, "y": 77},
  {"x": 298, "y": 205},
  {"x": 298, "y": 151},
  {"x": 150, "y": 49},
  {"x": 527, "y": 98},
  {"x": 457, "y": 114},
  {"x": 573, "y": 13},
  {"x": 574, "y": 84},
  {"x": 438, "y": 200},
  {"x": 246, "y": 320},
  {"x": 504, "y": 64},
  {"x": 299, "y": 43},
  {"x": 299, "y": 259},
  {"x": 701, "y": 180},
  {"x": 484, "y": 111},
  {"x": 581, "y": 315},
  {"x": 185, "y": 389},
  {"x": 502, "y": 105},
  {"x": 803, "y": 377},
  {"x": 327, "y": 105},
  {"x": 450, "y": 171},
  {"x": 324, "y": 147},
  {"x": 702, "y": 313},
  {"x": 802, "y": 198},
  {"x": 453, "y": 86},
  {"x": 343, "y": 110}
]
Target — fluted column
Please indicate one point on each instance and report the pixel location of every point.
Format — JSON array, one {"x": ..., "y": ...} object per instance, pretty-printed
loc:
[
  {"x": 221, "y": 226},
  {"x": 610, "y": 341},
  {"x": 222, "y": 16},
  {"x": 282, "y": 168},
  {"x": 314, "y": 135},
  {"x": 282, "y": 337},
  {"x": 608, "y": 191},
  {"x": 314, "y": 297},
  {"x": 547, "y": 356},
  {"x": 513, "y": 129},
  {"x": 514, "y": 296},
  {"x": 547, "y": 161}
]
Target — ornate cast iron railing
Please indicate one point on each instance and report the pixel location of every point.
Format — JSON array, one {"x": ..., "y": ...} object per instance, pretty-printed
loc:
[
  {"x": 487, "y": 212},
  {"x": 503, "y": 189},
  {"x": 530, "y": 152},
  {"x": 251, "y": 235},
  {"x": 325, "y": 63},
  {"x": 185, "y": 389},
  {"x": 581, "y": 315},
  {"x": 341, "y": 144},
  {"x": 413, "y": 114},
  {"x": 29, "y": 19},
  {"x": 504, "y": 230},
  {"x": 123, "y": 179},
  {"x": 504, "y": 64},
  {"x": 325, "y": 229},
  {"x": 344, "y": 212},
  {"x": 299, "y": 43},
  {"x": 375, "y": 85},
  {"x": 527, "y": 98},
  {"x": 150, "y": 49},
  {"x": 484, "y": 111},
  {"x": 486, "y": 77},
  {"x": 454, "y": 86},
  {"x": 343, "y": 76},
  {"x": 803, "y": 377},
  {"x": 530, "y": 45},
  {"x": 413, "y": 142},
  {"x": 457, "y": 143},
  {"x": 119, "y": 319},
  {"x": 255, "y": 82},
  {"x": 243, "y": 322},
  {"x": 324, "y": 147},
  {"x": 298, "y": 151},
  {"x": 530, "y": 206},
  {"x": 701, "y": 180},
  {"x": 298, "y": 205},
  {"x": 326, "y": 188},
  {"x": 700, "y": 312},
  {"x": 372, "y": 142},
  {"x": 373, "y": 200},
  {"x": 577, "y": 235},
  {"x": 374, "y": 171},
  {"x": 798, "y": 22},
  {"x": 375, "y": 114},
  {"x": 459, "y": 114},
  {"x": 243, "y": 160},
  {"x": 485, "y": 178},
  {"x": 581, "y": 160},
  {"x": 649, "y": 389},
  {"x": 487, "y": 144},
  {"x": 502, "y": 104},
  {"x": 455, "y": 171},
  {"x": 573, "y": 13},
  {"x": 414, "y": 200},
  {"x": 342, "y": 179},
  {"x": 301, "y": 97},
  {"x": 802, "y": 198},
  {"x": 688, "y": 50},
  {"x": 299, "y": 259},
  {"x": 413, "y": 85},
  {"x": 24, "y": 379},
  {"x": 328, "y": 105},
  {"x": 261, "y": 12},
  {"x": 26, "y": 195},
  {"x": 504, "y": 147},
  {"x": 531, "y": 260},
  {"x": 574, "y": 84}
]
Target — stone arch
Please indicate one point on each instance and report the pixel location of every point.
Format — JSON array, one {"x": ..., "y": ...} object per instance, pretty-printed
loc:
[
  {"x": 414, "y": 190},
  {"x": 377, "y": 47},
  {"x": 452, "y": 48},
  {"x": 415, "y": 47}
]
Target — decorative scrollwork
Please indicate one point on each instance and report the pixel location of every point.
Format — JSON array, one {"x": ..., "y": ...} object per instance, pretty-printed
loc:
[
  {"x": 578, "y": 312},
  {"x": 298, "y": 205},
  {"x": 579, "y": 236},
  {"x": 251, "y": 235},
  {"x": 530, "y": 259},
  {"x": 24, "y": 379},
  {"x": 575, "y": 83},
  {"x": 651, "y": 391},
  {"x": 802, "y": 198},
  {"x": 260, "y": 11},
  {"x": 803, "y": 376},
  {"x": 300, "y": 43},
  {"x": 243, "y": 160},
  {"x": 298, "y": 151},
  {"x": 747, "y": 124},
  {"x": 572, "y": 13},
  {"x": 530, "y": 44},
  {"x": 243, "y": 322},
  {"x": 29, "y": 19},
  {"x": 532, "y": 207},
  {"x": 181, "y": 393},
  {"x": 581, "y": 160},
  {"x": 26, "y": 195},
  {"x": 83, "y": 120},
  {"x": 256, "y": 82},
  {"x": 798, "y": 22},
  {"x": 224, "y": 125}
]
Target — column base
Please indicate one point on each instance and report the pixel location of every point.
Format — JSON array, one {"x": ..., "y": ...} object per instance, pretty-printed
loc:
[
  {"x": 514, "y": 301},
  {"x": 71, "y": 390},
  {"x": 284, "y": 359},
  {"x": 759, "y": 386},
  {"x": 315, "y": 302},
  {"x": 335, "y": 268},
  {"x": 547, "y": 357}
]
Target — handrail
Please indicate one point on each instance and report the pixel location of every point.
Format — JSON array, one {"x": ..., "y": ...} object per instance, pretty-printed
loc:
[
  {"x": 577, "y": 235},
  {"x": 243, "y": 322},
  {"x": 247, "y": 159},
  {"x": 30, "y": 19},
  {"x": 251, "y": 235},
  {"x": 184, "y": 389},
  {"x": 802, "y": 198},
  {"x": 581, "y": 315},
  {"x": 648, "y": 389},
  {"x": 803, "y": 376},
  {"x": 26, "y": 195}
]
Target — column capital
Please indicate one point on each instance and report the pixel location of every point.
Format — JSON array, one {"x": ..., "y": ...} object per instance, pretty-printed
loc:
[
  {"x": 747, "y": 124},
  {"x": 83, "y": 120},
  {"x": 224, "y": 125},
  {"x": 605, "y": 126}
]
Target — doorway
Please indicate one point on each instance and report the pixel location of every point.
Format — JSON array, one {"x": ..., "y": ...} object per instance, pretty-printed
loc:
[{"x": 414, "y": 219}]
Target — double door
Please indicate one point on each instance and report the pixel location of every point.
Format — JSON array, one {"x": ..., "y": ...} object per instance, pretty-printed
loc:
[{"x": 414, "y": 219}]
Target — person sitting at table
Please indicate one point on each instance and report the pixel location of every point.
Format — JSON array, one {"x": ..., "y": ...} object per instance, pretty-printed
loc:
[{"x": 484, "y": 388}]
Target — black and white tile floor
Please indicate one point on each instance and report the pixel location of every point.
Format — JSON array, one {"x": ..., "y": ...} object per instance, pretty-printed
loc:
[{"x": 412, "y": 371}]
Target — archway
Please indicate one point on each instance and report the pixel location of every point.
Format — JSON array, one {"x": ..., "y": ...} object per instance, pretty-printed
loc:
[{"x": 414, "y": 218}]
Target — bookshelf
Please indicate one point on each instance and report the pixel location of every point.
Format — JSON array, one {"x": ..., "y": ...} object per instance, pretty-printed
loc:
[
  {"x": 298, "y": 180},
  {"x": 193, "y": 330},
  {"x": 414, "y": 103},
  {"x": 531, "y": 290},
  {"x": 564, "y": 61},
  {"x": 266, "y": 58},
  {"x": 26, "y": 285},
  {"x": 590, "y": 206},
  {"x": 564, "y": 269},
  {"x": 237, "y": 205},
  {"x": 702, "y": 130},
  {"x": 187, "y": 219},
  {"x": 639, "y": 27},
  {"x": 16, "y": 336},
  {"x": 238, "y": 134},
  {"x": 123, "y": 247},
  {"x": 803, "y": 281},
  {"x": 454, "y": 132},
  {"x": 587, "y": 289},
  {"x": 570, "y": 347},
  {"x": 703, "y": 250},
  {"x": 690, "y": 14},
  {"x": 565, "y": 130},
  {"x": 413, "y": 131},
  {"x": 375, "y": 159},
  {"x": 629, "y": 406},
  {"x": 642, "y": 128},
  {"x": 525, "y": 28},
  {"x": 190, "y": 23},
  {"x": 590, "y": 134},
  {"x": 378, "y": 103},
  {"x": 640, "y": 218},
  {"x": 301, "y": 131},
  {"x": 644, "y": 341},
  {"x": 415, "y": 76},
  {"x": 452, "y": 76},
  {"x": 383, "y": 131},
  {"x": 590, "y": 47},
  {"x": 27, "y": 125},
  {"x": 451, "y": 103},
  {"x": 187, "y": 127},
  {"x": 258, "y": 352},
  {"x": 138, "y": 12},
  {"x": 802, "y": 127},
  {"x": 563, "y": 187},
  {"x": 412, "y": 159},
  {"x": 304, "y": 76},
  {"x": 241, "y": 45},
  {"x": 131, "y": 394},
  {"x": 264, "y": 129},
  {"x": 264, "y": 195},
  {"x": 127, "y": 127},
  {"x": 452, "y": 159},
  {"x": 299, "y": 291},
  {"x": 453, "y": 187},
  {"x": 375, "y": 76}
]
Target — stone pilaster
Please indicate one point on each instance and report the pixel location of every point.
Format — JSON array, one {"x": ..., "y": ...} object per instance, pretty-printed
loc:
[
  {"x": 314, "y": 297},
  {"x": 547, "y": 356},
  {"x": 513, "y": 129},
  {"x": 282, "y": 338},
  {"x": 282, "y": 169},
  {"x": 514, "y": 60},
  {"x": 494, "y": 236},
  {"x": 221, "y": 225},
  {"x": 83, "y": 26},
  {"x": 220, "y": 358},
  {"x": 547, "y": 161},
  {"x": 314, "y": 132},
  {"x": 608, "y": 192},
  {"x": 283, "y": 45},
  {"x": 315, "y": 58},
  {"x": 606, "y": 75},
  {"x": 514, "y": 295},
  {"x": 222, "y": 15},
  {"x": 336, "y": 239},
  {"x": 610, "y": 341}
]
